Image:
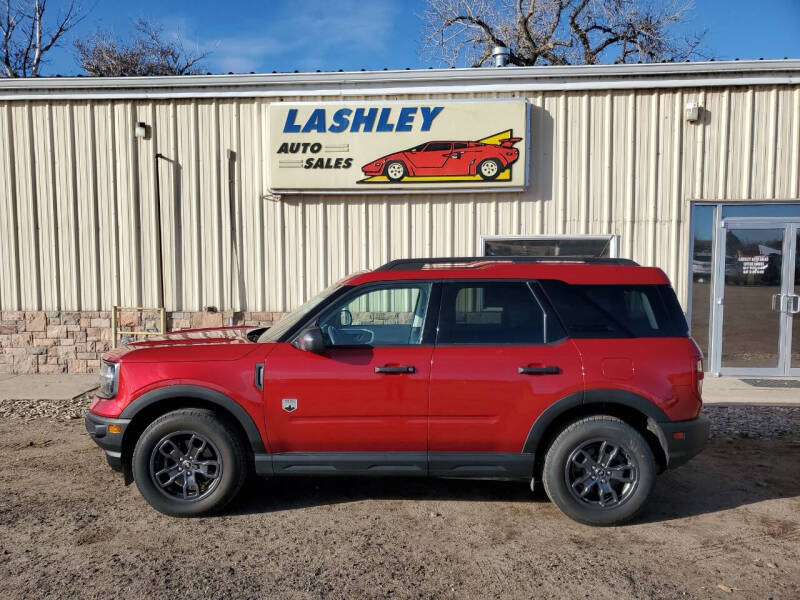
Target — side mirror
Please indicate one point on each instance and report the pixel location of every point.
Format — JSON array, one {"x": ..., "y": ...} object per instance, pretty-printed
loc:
[
  {"x": 345, "y": 318},
  {"x": 312, "y": 340}
]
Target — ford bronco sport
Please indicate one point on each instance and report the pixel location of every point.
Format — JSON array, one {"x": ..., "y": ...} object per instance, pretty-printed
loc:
[{"x": 576, "y": 373}]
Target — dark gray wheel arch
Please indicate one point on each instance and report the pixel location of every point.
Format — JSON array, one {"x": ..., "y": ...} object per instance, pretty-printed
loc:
[
  {"x": 599, "y": 398},
  {"x": 206, "y": 395}
]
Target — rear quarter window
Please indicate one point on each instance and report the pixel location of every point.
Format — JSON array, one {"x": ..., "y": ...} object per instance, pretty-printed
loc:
[{"x": 617, "y": 311}]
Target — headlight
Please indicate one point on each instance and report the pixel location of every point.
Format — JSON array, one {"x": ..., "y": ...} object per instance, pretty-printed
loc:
[{"x": 109, "y": 379}]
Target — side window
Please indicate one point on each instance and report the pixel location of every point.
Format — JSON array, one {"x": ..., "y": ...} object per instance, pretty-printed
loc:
[
  {"x": 438, "y": 147},
  {"x": 392, "y": 315},
  {"x": 611, "y": 311},
  {"x": 493, "y": 313}
]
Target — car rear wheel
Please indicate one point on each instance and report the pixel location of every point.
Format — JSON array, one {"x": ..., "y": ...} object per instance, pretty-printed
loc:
[
  {"x": 189, "y": 462},
  {"x": 395, "y": 171},
  {"x": 599, "y": 471},
  {"x": 489, "y": 168}
]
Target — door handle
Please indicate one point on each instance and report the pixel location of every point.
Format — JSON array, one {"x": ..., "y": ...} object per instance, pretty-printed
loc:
[
  {"x": 780, "y": 302},
  {"x": 387, "y": 370},
  {"x": 259, "y": 377},
  {"x": 549, "y": 370}
]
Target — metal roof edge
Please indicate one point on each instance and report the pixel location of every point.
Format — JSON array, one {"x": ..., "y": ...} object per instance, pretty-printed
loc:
[{"x": 575, "y": 77}]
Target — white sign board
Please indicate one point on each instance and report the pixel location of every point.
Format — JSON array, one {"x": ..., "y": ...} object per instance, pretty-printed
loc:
[{"x": 398, "y": 146}]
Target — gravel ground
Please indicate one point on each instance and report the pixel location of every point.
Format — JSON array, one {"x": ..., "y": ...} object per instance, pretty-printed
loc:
[{"x": 726, "y": 525}]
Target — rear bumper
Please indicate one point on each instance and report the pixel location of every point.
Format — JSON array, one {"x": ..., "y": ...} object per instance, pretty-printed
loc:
[
  {"x": 692, "y": 441},
  {"x": 111, "y": 443}
]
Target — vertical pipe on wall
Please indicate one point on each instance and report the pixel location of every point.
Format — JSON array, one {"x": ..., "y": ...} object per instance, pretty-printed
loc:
[{"x": 158, "y": 241}]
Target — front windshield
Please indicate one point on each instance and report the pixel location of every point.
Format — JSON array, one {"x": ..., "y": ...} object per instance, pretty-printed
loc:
[{"x": 274, "y": 333}]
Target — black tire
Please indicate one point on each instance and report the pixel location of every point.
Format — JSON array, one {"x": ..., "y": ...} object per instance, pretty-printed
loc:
[
  {"x": 489, "y": 168},
  {"x": 395, "y": 170},
  {"x": 171, "y": 434},
  {"x": 632, "y": 469}
]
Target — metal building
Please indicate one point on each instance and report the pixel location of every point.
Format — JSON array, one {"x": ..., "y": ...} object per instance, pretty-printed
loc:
[{"x": 649, "y": 162}]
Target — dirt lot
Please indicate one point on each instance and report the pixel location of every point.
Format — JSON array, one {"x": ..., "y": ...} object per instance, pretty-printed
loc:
[{"x": 727, "y": 525}]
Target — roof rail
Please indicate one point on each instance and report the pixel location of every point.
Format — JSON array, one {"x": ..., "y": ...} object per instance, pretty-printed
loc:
[{"x": 414, "y": 264}]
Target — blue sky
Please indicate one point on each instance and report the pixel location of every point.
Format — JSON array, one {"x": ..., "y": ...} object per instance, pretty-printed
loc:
[{"x": 306, "y": 35}]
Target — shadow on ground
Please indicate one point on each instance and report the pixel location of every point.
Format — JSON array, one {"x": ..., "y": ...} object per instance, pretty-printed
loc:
[{"x": 730, "y": 473}]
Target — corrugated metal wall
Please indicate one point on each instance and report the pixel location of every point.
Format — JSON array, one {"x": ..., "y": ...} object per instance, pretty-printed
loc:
[{"x": 77, "y": 196}]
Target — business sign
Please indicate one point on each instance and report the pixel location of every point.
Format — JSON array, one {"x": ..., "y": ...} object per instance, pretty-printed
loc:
[{"x": 398, "y": 146}]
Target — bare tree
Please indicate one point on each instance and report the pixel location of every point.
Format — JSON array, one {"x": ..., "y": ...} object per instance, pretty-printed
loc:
[
  {"x": 26, "y": 37},
  {"x": 558, "y": 32},
  {"x": 148, "y": 53}
]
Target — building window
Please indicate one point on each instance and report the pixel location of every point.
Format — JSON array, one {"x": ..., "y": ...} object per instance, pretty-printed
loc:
[{"x": 552, "y": 245}]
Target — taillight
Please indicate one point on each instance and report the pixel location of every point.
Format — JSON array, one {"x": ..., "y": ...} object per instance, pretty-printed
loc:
[{"x": 699, "y": 375}]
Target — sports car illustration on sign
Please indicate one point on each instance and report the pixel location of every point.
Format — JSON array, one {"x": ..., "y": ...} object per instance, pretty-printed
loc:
[{"x": 482, "y": 160}]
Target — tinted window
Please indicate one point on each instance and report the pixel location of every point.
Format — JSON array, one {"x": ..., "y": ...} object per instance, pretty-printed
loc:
[
  {"x": 493, "y": 313},
  {"x": 459, "y": 145},
  {"x": 608, "y": 311},
  {"x": 438, "y": 147},
  {"x": 392, "y": 315}
]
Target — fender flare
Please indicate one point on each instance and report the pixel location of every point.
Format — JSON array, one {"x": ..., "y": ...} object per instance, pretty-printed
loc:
[
  {"x": 594, "y": 397},
  {"x": 200, "y": 393}
]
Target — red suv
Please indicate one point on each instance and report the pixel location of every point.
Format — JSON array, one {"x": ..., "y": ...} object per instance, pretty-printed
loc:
[{"x": 576, "y": 373}]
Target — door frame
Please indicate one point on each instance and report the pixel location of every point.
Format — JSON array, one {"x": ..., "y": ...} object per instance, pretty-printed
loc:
[{"x": 784, "y": 342}]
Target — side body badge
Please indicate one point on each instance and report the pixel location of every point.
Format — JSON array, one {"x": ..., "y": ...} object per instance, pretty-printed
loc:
[{"x": 290, "y": 404}]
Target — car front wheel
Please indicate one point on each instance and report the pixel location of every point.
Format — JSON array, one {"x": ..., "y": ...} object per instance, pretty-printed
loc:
[
  {"x": 395, "y": 171},
  {"x": 599, "y": 471},
  {"x": 189, "y": 462}
]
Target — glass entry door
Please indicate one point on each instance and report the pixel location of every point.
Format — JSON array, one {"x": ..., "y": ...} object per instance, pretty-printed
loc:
[
  {"x": 793, "y": 304},
  {"x": 756, "y": 306}
]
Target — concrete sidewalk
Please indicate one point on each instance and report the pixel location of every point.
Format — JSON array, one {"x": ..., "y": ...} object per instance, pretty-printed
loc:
[
  {"x": 720, "y": 391},
  {"x": 732, "y": 391},
  {"x": 45, "y": 387}
]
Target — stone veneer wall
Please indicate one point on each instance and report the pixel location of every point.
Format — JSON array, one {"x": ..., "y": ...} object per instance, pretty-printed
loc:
[{"x": 72, "y": 342}]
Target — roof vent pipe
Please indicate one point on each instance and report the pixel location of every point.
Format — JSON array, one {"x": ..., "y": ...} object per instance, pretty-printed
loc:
[{"x": 500, "y": 54}]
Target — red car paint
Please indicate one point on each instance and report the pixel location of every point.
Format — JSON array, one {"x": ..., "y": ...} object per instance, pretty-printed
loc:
[
  {"x": 447, "y": 158},
  {"x": 461, "y": 398}
]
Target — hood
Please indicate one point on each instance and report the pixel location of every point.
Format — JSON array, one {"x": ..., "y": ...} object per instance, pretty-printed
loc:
[{"x": 218, "y": 343}]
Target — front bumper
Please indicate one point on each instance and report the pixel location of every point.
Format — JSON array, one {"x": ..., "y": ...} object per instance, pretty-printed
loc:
[
  {"x": 111, "y": 443},
  {"x": 680, "y": 448}
]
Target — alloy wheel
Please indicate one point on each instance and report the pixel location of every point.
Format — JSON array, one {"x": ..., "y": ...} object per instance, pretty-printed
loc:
[
  {"x": 601, "y": 474},
  {"x": 185, "y": 466}
]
